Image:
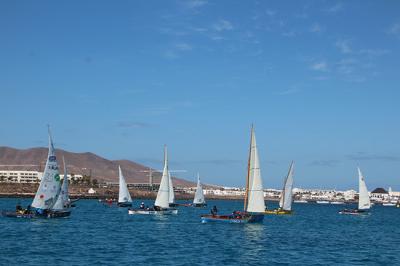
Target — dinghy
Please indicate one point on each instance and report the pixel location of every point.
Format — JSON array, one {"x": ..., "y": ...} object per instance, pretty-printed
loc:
[
  {"x": 285, "y": 202},
  {"x": 364, "y": 203},
  {"x": 47, "y": 193},
  {"x": 199, "y": 200},
  {"x": 124, "y": 198},
  {"x": 161, "y": 205},
  {"x": 254, "y": 206}
]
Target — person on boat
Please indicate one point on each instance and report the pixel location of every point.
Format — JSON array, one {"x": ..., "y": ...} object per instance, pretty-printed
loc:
[
  {"x": 157, "y": 208},
  {"x": 142, "y": 206},
  {"x": 214, "y": 210},
  {"x": 18, "y": 208}
]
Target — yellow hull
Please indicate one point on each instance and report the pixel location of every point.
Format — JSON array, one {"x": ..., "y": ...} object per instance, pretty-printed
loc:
[{"x": 278, "y": 212}]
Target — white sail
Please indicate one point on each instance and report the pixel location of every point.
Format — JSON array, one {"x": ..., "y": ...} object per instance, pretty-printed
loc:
[
  {"x": 364, "y": 202},
  {"x": 285, "y": 201},
  {"x": 123, "y": 195},
  {"x": 199, "y": 195},
  {"x": 63, "y": 200},
  {"x": 171, "y": 189},
  {"x": 255, "y": 193},
  {"x": 162, "y": 199},
  {"x": 50, "y": 185}
]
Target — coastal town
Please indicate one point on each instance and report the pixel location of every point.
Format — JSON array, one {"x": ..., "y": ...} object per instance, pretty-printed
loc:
[{"x": 84, "y": 186}]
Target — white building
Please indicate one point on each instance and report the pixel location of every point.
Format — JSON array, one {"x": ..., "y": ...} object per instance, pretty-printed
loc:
[{"x": 11, "y": 176}]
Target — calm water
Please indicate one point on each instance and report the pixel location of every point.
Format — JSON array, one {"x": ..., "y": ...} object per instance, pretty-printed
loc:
[{"x": 95, "y": 234}]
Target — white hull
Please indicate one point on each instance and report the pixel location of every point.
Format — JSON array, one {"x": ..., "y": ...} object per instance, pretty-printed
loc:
[
  {"x": 388, "y": 204},
  {"x": 337, "y": 202},
  {"x": 322, "y": 202},
  {"x": 300, "y": 201},
  {"x": 153, "y": 212}
]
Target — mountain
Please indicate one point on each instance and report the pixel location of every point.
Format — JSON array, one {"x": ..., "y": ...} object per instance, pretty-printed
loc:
[{"x": 81, "y": 163}]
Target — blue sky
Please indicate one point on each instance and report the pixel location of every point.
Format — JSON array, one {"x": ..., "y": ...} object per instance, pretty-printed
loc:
[{"x": 320, "y": 81}]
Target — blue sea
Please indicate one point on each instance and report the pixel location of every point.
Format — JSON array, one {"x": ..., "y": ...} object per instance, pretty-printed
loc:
[{"x": 96, "y": 234}]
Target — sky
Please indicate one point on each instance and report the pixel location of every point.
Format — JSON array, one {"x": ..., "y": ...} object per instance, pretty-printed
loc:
[{"x": 318, "y": 79}]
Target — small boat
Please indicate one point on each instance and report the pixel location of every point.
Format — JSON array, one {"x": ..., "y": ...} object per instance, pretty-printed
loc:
[
  {"x": 161, "y": 205},
  {"x": 124, "y": 197},
  {"x": 364, "y": 202},
  {"x": 47, "y": 194},
  {"x": 254, "y": 206},
  {"x": 300, "y": 201},
  {"x": 199, "y": 200},
  {"x": 285, "y": 202},
  {"x": 337, "y": 202},
  {"x": 322, "y": 202},
  {"x": 388, "y": 204}
]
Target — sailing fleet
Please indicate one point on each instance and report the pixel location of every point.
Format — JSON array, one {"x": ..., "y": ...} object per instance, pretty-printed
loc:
[{"x": 52, "y": 197}]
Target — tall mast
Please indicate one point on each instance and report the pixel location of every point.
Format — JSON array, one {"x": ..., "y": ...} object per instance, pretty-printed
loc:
[{"x": 248, "y": 172}]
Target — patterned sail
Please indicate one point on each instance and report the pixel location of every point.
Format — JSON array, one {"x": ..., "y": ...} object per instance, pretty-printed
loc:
[
  {"x": 171, "y": 189},
  {"x": 162, "y": 199},
  {"x": 199, "y": 195},
  {"x": 50, "y": 185},
  {"x": 364, "y": 202},
  {"x": 287, "y": 195},
  {"x": 63, "y": 200},
  {"x": 123, "y": 195},
  {"x": 255, "y": 187}
]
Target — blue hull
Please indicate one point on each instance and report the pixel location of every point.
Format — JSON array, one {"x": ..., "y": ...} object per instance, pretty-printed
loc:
[{"x": 252, "y": 218}]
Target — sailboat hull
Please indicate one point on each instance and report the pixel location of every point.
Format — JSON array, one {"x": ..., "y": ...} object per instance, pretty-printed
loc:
[
  {"x": 124, "y": 204},
  {"x": 235, "y": 219},
  {"x": 30, "y": 215},
  {"x": 199, "y": 205},
  {"x": 152, "y": 212},
  {"x": 354, "y": 212}
]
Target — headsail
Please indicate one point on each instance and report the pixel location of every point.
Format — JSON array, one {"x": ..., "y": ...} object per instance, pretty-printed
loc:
[
  {"x": 285, "y": 201},
  {"x": 199, "y": 195},
  {"x": 162, "y": 199},
  {"x": 50, "y": 185},
  {"x": 255, "y": 194},
  {"x": 63, "y": 198},
  {"x": 364, "y": 202},
  {"x": 171, "y": 189},
  {"x": 123, "y": 195}
]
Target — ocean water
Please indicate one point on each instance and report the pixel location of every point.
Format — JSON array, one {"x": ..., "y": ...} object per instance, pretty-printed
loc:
[{"x": 99, "y": 235}]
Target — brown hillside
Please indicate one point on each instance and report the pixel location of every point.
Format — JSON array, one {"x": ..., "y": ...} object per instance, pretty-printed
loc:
[{"x": 81, "y": 163}]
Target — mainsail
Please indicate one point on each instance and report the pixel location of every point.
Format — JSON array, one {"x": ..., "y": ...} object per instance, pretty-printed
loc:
[
  {"x": 123, "y": 195},
  {"x": 50, "y": 185},
  {"x": 199, "y": 195},
  {"x": 364, "y": 202},
  {"x": 285, "y": 201},
  {"x": 63, "y": 198},
  {"x": 171, "y": 189},
  {"x": 255, "y": 193},
  {"x": 162, "y": 199}
]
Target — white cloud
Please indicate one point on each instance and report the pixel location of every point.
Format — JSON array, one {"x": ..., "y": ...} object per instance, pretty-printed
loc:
[
  {"x": 169, "y": 54},
  {"x": 270, "y": 12},
  {"x": 320, "y": 66},
  {"x": 347, "y": 66},
  {"x": 394, "y": 30},
  {"x": 374, "y": 52},
  {"x": 336, "y": 8},
  {"x": 184, "y": 47},
  {"x": 316, "y": 28},
  {"x": 344, "y": 46},
  {"x": 194, "y": 3},
  {"x": 223, "y": 25}
]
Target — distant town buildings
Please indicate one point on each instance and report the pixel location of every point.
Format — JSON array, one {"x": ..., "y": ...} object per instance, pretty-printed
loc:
[{"x": 13, "y": 176}]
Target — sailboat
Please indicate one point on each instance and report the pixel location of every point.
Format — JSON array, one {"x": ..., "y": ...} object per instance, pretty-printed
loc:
[
  {"x": 47, "y": 194},
  {"x": 161, "y": 205},
  {"x": 171, "y": 198},
  {"x": 63, "y": 202},
  {"x": 199, "y": 200},
  {"x": 364, "y": 203},
  {"x": 124, "y": 198},
  {"x": 254, "y": 206},
  {"x": 285, "y": 202}
]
